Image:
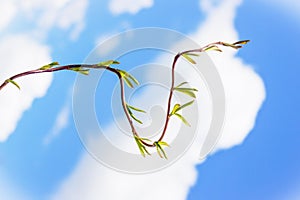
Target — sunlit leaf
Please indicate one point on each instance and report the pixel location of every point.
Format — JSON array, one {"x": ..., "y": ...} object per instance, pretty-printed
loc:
[
  {"x": 81, "y": 70},
  {"x": 178, "y": 107},
  {"x": 131, "y": 77},
  {"x": 213, "y": 48},
  {"x": 14, "y": 83},
  {"x": 241, "y": 42},
  {"x": 127, "y": 81},
  {"x": 84, "y": 71},
  {"x": 181, "y": 84},
  {"x": 192, "y": 54},
  {"x": 128, "y": 78},
  {"x": 158, "y": 151},
  {"x": 146, "y": 139},
  {"x": 231, "y": 45},
  {"x": 50, "y": 65},
  {"x": 175, "y": 109},
  {"x": 187, "y": 91},
  {"x": 54, "y": 63},
  {"x": 141, "y": 147},
  {"x": 161, "y": 152},
  {"x": 162, "y": 143},
  {"x": 188, "y": 58},
  {"x": 132, "y": 115},
  {"x": 136, "y": 109},
  {"x": 182, "y": 119},
  {"x": 185, "y": 105},
  {"x": 108, "y": 63}
]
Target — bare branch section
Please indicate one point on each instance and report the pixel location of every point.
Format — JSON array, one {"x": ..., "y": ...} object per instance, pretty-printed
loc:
[{"x": 125, "y": 77}]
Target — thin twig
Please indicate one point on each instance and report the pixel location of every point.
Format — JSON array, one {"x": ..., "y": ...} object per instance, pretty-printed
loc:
[
  {"x": 173, "y": 81},
  {"x": 122, "y": 90}
]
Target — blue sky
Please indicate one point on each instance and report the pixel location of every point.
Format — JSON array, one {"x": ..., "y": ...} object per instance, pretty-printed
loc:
[
  {"x": 42, "y": 157},
  {"x": 265, "y": 166}
]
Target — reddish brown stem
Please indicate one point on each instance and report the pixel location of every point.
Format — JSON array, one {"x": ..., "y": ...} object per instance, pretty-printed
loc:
[
  {"x": 117, "y": 72},
  {"x": 173, "y": 81}
]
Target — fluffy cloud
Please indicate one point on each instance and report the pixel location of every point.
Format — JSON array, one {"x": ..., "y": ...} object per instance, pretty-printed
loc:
[
  {"x": 20, "y": 53},
  {"x": 118, "y": 7},
  {"x": 244, "y": 94},
  {"x": 7, "y": 12},
  {"x": 244, "y": 89},
  {"x": 66, "y": 18},
  {"x": 45, "y": 15}
]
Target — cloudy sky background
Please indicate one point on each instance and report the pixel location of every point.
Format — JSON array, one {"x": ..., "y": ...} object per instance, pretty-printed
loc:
[{"x": 41, "y": 156}]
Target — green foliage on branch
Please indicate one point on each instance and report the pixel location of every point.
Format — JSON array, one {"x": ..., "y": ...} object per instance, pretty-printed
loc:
[{"x": 131, "y": 81}]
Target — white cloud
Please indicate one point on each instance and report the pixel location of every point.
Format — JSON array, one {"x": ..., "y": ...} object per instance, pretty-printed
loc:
[
  {"x": 93, "y": 181},
  {"x": 20, "y": 53},
  {"x": 118, "y": 7},
  {"x": 244, "y": 94},
  {"x": 45, "y": 15},
  {"x": 244, "y": 89},
  {"x": 208, "y": 5},
  {"x": 7, "y": 12},
  {"x": 67, "y": 17},
  {"x": 60, "y": 123}
]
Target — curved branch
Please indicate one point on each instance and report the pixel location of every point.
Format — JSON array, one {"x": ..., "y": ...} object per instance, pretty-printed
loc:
[
  {"x": 207, "y": 47},
  {"x": 83, "y": 68}
]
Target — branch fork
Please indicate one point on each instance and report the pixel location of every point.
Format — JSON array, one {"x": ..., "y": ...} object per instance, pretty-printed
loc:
[{"x": 125, "y": 77}]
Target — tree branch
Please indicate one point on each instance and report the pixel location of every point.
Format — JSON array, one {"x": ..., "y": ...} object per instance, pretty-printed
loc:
[{"x": 124, "y": 76}]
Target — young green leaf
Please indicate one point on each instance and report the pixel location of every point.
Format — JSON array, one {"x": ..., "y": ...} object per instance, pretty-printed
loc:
[
  {"x": 127, "y": 81},
  {"x": 241, "y": 42},
  {"x": 84, "y": 71},
  {"x": 162, "y": 143},
  {"x": 141, "y": 147},
  {"x": 128, "y": 78},
  {"x": 136, "y": 109},
  {"x": 188, "y": 58},
  {"x": 182, "y": 119},
  {"x": 192, "y": 54},
  {"x": 80, "y": 70},
  {"x": 14, "y": 83},
  {"x": 181, "y": 84},
  {"x": 175, "y": 109},
  {"x": 187, "y": 91},
  {"x": 231, "y": 45},
  {"x": 108, "y": 63},
  {"x": 185, "y": 105},
  {"x": 132, "y": 115},
  {"x": 50, "y": 65},
  {"x": 145, "y": 139},
  {"x": 178, "y": 107},
  {"x": 160, "y": 150},
  {"x": 213, "y": 48}
]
